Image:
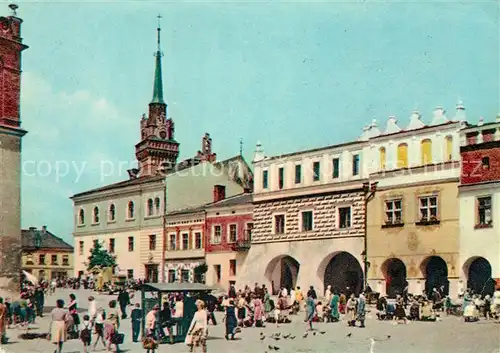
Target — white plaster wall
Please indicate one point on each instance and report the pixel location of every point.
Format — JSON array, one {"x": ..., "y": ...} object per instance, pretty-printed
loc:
[
  {"x": 430, "y": 174},
  {"x": 479, "y": 242},
  {"x": 312, "y": 255}
]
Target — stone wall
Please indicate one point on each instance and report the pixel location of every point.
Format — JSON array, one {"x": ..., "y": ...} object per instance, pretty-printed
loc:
[{"x": 325, "y": 217}]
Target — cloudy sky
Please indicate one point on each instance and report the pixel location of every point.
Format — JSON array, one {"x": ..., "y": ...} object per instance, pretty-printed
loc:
[{"x": 293, "y": 75}]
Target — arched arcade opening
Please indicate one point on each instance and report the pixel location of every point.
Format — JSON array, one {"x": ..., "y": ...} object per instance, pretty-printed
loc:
[
  {"x": 394, "y": 271},
  {"x": 282, "y": 272},
  {"x": 435, "y": 271},
  {"x": 343, "y": 272},
  {"x": 478, "y": 272}
]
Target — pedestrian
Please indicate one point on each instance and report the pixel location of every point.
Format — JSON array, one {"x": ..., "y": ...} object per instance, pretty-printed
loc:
[
  {"x": 39, "y": 301},
  {"x": 73, "y": 310},
  {"x": 86, "y": 333},
  {"x": 99, "y": 327},
  {"x": 198, "y": 330},
  {"x": 59, "y": 318},
  {"x": 312, "y": 293},
  {"x": 258, "y": 309},
  {"x": 124, "y": 300},
  {"x": 3, "y": 321},
  {"x": 92, "y": 310},
  {"x": 351, "y": 311},
  {"x": 111, "y": 326},
  {"x": 166, "y": 320},
  {"x": 310, "y": 310},
  {"x": 334, "y": 307},
  {"x": 230, "y": 320},
  {"x": 361, "y": 310},
  {"x": 136, "y": 319}
]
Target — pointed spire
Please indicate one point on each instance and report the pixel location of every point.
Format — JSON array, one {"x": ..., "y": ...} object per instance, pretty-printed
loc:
[
  {"x": 460, "y": 111},
  {"x": 158, "y": 83}
]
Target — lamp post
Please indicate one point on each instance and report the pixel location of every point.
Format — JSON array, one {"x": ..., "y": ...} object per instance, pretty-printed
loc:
[{"x": 369, "y": 190}]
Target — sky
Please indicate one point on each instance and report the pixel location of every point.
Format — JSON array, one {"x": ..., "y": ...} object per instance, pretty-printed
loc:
[{"x": 292, "y": 75}]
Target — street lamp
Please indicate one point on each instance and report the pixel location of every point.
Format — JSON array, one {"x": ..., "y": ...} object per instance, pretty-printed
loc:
[{"x": 369, "y": 190}]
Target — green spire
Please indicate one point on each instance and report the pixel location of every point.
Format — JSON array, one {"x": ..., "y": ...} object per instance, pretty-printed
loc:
[{"x": 158, "y": 84}]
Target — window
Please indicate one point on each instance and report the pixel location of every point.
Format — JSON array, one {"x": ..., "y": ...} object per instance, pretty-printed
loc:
[
  {"x": 307, "y": 221},
  {"x": 157, "y": 205},
  {"x": 279, "y": 224},
  {"x": 217, "y": 270},
  {"x": 152, "y": 242},
  {"x": 402, "y": 155},
  {"x": 171, "y": 276},
  {"x": 185, "y": 276},
  {"x": 130, "y": 274},
  {"x": 232, "y": 267},
  {"x": 53, "y": 260},
  {"x": 111, "y": 245},
  {"x": 197, "y": 240},
  {"x": 96, "y": 215},
  {"x": 316, "y": 171},
  {"x": 81, "y": 217},
  {"x": 281, "y": 178},
  {"x": 426, "y": 151},
  {"x": 130, "y": 210},
  {"x": 335, "y": 168},
  {"x": 355, "y": 164},
  {"x": 130, "y": 243},
  {"x": 112, "y": 212},
  {"x": 345, "y": 217},
  {"x": 80, "y": 248},
  {"x": 65, "y": 260},
  {"x": 41, "y": 259},
  {"x": 96, "y": 241},
  {"x": 448, "y": 148},
  {"x": 264, "y": 179},
  {"x": 428, "y": 208},
  {"x": 382, "y": 158},
  {"x": 217, "y": 235},
  {"x": 298, "y": 174},
  {"x": 485, "y": 161},
  {"x": 484, "y": 211},
  {"x": 233, "y": 233},
  {"x": 393, "y": 211},
  {"x": 150, "y": 207},
  {"x": 248, "y": 235},
  {"x": 185, "y": 241},
  {"x": 173, "y": 241}
]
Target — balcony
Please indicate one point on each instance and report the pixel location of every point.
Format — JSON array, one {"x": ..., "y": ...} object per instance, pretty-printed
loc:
[{"x": 242, "y": 245}]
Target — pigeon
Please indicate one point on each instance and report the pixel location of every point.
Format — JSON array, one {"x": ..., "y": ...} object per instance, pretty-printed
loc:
[
  {"x": 276, "y": 348},
  {"x": 388, "y": 337},
  {"x": 304, "y": 335},
  {"x": 349, "y": 335},
  {"x": 262, "y": 338},
  {"x": 292, "y": 337},
  {"x": 276, "y": 338},
  {"x": 277, "y": 334},
  {"x": 322, "y": 332},
  {"x": 286, "y": 336},
  {"x": 314, "y": 333},
  {"x": 270, "y": 347}
]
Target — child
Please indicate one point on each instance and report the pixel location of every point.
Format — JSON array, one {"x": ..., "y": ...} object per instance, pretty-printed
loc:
[
  {"x": 136, "y": 318},
  {"x": 99, "y": 327},
  {"x": 86, "y": 333},
  {"x": 319, "y": 312}
]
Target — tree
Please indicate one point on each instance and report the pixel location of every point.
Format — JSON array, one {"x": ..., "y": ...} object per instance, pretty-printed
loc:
[
  {"x": 100, "y": 257},
  {"x": 199, "y": 273}
]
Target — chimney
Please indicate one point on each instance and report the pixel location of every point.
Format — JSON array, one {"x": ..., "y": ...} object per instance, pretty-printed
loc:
[
  {"x": 219, "y": 193},
  {"x": 32, "y": 228},
  {"x": 44, "y": 229}
]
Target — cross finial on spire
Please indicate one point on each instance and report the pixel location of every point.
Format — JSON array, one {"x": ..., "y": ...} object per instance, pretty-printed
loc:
[
  {"x": 241, "y": 146},
  {"x": 159, "y": 30},
  {"x": 158, "y": 84}
]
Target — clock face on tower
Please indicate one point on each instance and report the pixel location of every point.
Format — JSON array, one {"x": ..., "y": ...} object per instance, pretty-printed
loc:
[{"x": 163, "y": 134}]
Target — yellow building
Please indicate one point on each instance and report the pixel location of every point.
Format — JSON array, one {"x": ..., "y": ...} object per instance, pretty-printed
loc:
[{"x": 46, "y": 256}]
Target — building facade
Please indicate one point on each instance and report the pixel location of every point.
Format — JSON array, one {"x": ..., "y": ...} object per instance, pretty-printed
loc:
[
  {"x": 308, "y": 219},
  {"x": 229, "y": 224},
  {"x": 412, "y": 224},
  {"x": 479, "y": 199},
  {"x": 46, "y": 256},
  {"x": 11, "y": 133}
]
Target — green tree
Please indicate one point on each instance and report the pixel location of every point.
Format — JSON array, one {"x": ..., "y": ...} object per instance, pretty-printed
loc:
[
  {"x": 199, "y": 273},
  {"x": 100, "y": 257}
]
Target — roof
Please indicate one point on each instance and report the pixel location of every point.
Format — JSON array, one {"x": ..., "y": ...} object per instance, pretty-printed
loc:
[
  {"x": 240, "y": 199},
  {"x": 176, "y": 287},
  {"x": 187, "y": 211},
  {"x": 121, "y": 184},
  {"x": 49, "y": 240}
]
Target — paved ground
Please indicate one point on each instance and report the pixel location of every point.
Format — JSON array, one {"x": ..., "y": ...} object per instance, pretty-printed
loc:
[{"x": 448, "y": 335}]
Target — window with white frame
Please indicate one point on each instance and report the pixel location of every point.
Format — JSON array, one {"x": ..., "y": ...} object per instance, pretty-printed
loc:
[
  {"x": 81, "y": 217},
  {"x": 185, "y": 241},
  {"x": 484, "y": 215},
  {"x": 112, "y": 212},
  {"x": 233, "y": 233},
  {"x": 172, "y": 241},
  {"x": 95, "y": 219},
  {"x": 198, "y": 244},
  {"x": 217, "y": 234},
  {"x": 428, "y": 208},
  {"x": 157, "y": 205},
  {"x": 316, "y": 171},
  {"x": 279, "y": 224},
  {"x": 344, "y": 214},
  {"x": 307, "y": 221},
  {"x": 394, "y": 211},
  {"x": 150, "y": 207},
  {"x": 130, "y": 210}
]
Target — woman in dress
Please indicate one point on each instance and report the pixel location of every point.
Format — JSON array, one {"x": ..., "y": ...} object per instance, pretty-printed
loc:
[
  {"x": 73, "y": 310},
  {"x": 328, "y": 294},
  {"x": 267, "y": 304},
  {"x": 111, "y": 326},
  {"x": 231, "y": 320},
  {"x": 334, "y": 307},
  {"x": 57, "y": 329},
  {"x": 400, "y": 313},
  {"x": 310, "y": 311},
  {"x": 342, "y": 303},
  {"x": 198, "y": 330},
  {"x": 258, "y": 311},
  {"x": 351, "y": 311},
  {"x": 361, "y": 310}
]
